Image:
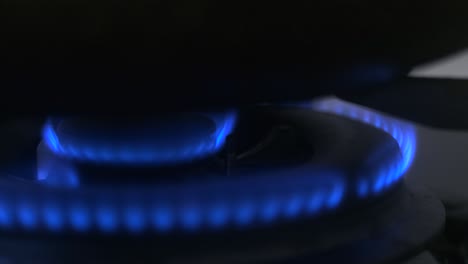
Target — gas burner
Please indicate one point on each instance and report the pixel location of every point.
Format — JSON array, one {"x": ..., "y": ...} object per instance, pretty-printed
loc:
[
  {"x": 173, "y": 139},
  {"x": 248, "y": 196},
  {"x": 260, "y": 170},
  {"x": 223, "y": 163}
]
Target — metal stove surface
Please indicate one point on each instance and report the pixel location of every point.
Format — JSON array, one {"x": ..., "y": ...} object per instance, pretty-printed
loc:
[{"x": 49, "y": 217}]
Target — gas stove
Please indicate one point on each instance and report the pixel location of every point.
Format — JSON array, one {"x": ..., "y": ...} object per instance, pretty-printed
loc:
[
  {"x": 224, "y": 132},
  {"x": 271, "y": 183}
]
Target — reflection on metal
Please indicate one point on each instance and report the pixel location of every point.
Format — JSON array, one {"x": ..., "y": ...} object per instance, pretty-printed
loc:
[{"x": 403, "y": 133}]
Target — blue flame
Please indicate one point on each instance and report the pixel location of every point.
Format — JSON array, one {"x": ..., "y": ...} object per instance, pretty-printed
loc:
[
  {"x": 190, "y": 207},
  {"x": 56, "y": 173},
  {"x": 27, "y": 213},
  {"x": 6, "y": 217},
  {"x": 403, "y": 133},
  {"x": 283, "y": 195},
  {"x": 162, "y": 218},
  {"x": 79, "y": 216},
  {"x": 53, "y": 216},
  {"x": 127, "y": 152},
  {"x": 106, "y": 217},
  {"x": 134, "y": 218}
]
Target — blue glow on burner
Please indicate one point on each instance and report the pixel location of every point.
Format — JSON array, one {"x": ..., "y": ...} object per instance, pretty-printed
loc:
[
  {"x": 80, "y": 218},
  {"x": 270, "y": 211},
  {"x": 191, "y": 218},
  {"x": 57, "y": 174},
  {"x": 85, "y": 210},
  {"x": 218, "y": 216},
  {"x": 244, "y": 214},
  {"x": 107, "y": 218},
  {"x": 53, "y": 217},
  {"x": 294, "y": 206},
  {"x": 6, "y": 218},
  {"x": 127, "y": 152},
  {"x": 27, "y": 214},
  {"x": 163, "y": 219},
  {"x": 134, "y": 217},
  {"x": 363, "y": 188},
  {"x": 335, "y": 198},
  {"x": 402, "y": 132},
  {"x": 215, "y": 204},
  {"x": 49, "y": 135},
  {"x": 316, "y": 202}
]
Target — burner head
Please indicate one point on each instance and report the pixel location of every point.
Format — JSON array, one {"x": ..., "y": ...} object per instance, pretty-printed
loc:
[
  {"x": 243, "y": 195},
  {"x": 175, "y": 138},
  {"x": 338, "y": 163}
]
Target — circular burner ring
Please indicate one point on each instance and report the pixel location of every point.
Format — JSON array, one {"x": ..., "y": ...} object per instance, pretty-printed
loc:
[
  {"x": 264, "y": 198},
  {"x": 180, "y": 138},
  {"x": 399, "y": 226}
]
